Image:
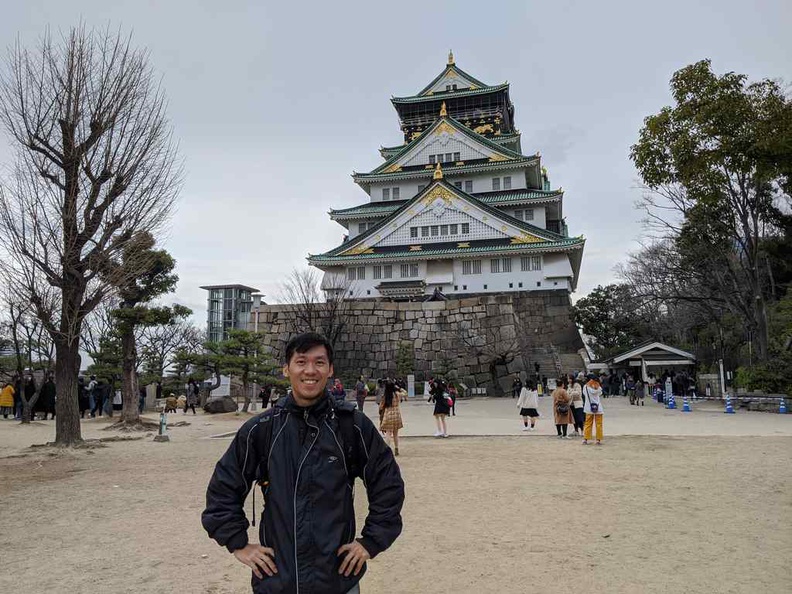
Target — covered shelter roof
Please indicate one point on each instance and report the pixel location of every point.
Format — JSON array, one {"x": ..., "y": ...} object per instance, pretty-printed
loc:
[{"x": 653, "y": 353}]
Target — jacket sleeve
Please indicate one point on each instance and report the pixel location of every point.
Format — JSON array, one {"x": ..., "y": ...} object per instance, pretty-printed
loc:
[
  {"x": 385, "y": 491},
  {"x": 224, "y": 517}
]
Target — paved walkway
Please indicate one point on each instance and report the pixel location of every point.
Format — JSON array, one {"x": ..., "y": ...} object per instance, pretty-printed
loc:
[{"x": 499, "y": 416}]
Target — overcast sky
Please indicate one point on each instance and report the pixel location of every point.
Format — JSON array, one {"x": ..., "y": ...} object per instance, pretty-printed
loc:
[{"x": 274, "y": 104}]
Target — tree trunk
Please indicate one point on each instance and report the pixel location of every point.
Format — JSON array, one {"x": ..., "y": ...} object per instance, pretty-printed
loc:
[
  {"x": 246, "y": 394},
  {"x": 762, "y": 330},
  {"x": 129, "y": 382},
  {"x": 67, "y": 368},
  {"x": 27, "y": 407}
]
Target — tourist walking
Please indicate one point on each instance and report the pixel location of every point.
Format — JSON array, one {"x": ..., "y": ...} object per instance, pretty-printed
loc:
[
  {"x": 361, "y": 391},
  {"x": 576, "y": 394},
  {"x": 516, "y": 386},
  {"x": 47, "y": 397},
  {"x": 92, "y": 395},
  {"x": 592, "y": 391},
  {"x": 528, "y": 404},
  {"x": 640, "y": 392},
  {"x": 307, "y": 453},
  {"x": 30, "y": 393},
  {"x": 192, "y": 400},
  {"x": 82, "y": 397},
  {"x": 98, "y": 396},
  {"x": 391, "y": 414},
  {"x": 453, "y": 394},
  {"x": 7, "y": 400},
  {"x": 338, "y": 391},
  {"x": 562, "y": 408},
  {"x": 442, "y": 406}
]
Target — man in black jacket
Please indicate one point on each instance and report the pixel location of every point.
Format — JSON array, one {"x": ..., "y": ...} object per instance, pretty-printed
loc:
[{"x": 299, "y": 453}]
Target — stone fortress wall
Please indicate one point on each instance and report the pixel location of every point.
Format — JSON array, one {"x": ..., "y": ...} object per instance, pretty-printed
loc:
[{"x": 478, "y": 340}]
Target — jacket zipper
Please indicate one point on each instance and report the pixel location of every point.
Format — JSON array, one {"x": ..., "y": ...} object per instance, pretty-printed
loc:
[{"x": 296, "y": 483}]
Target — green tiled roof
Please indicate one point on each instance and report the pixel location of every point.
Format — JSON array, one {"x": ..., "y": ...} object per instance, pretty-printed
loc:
[
  {"x": 544, "y": 234},
  {"x": 448, "y": 94},
  {"x": 381, "y": 209},
  {"x": 457, "y": 126},
  {"x": 565, "y": 244},
  {"x": 448, "y": 67},
  {"x": 451, "y": 170}
]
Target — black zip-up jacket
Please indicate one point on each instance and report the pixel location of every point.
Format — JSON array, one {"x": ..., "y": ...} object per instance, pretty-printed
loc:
[{"x": 309, "y": 510}]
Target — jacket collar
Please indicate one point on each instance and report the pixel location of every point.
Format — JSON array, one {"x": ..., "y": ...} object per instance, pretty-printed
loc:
[{"x": 318, "y": 410}]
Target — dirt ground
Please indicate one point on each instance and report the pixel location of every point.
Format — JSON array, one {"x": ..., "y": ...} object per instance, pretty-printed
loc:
[{"x": 516, "y": 513}]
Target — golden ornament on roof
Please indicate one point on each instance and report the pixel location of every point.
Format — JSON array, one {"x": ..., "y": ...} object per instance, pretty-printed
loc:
[
  {"x": 450, "y": 57},
  {"x": 443, "y": 112},
  {"x": 438, "y": 173}
]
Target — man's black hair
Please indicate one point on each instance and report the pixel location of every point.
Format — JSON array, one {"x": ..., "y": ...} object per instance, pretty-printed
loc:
[{"x": 302, "y": 343}]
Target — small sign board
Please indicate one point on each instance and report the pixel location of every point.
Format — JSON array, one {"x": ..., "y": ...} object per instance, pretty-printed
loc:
[{"x": 410, "y": 386}]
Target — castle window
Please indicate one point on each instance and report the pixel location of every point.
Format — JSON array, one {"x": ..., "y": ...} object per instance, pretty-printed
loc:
[
  {"x": 395, "y": 193},
  {"x": 468, "y": 185},
  {"x": 529, "y": 214},
  {"x": 432, "y": 159},
  {"x": 351, "y": 273},
  {"x": 413, "y": 232},
  {"x": 518, "y": 214},
  {"x": 495, "y": 265},
  {"x": 485, "y": 287},
  {"x": 386, "y": 193},
  {"x": 448, "y": 157},
  {"x": 425, "y": 231},
  {"x": 361, "y": 273},
  {"x": 464, "y": 287},
  {"x": 456, "y": 157},
  {"x": 454, "y": 229},
  {"x": 465, "y": 228},
  {"x": 507, "y": 182},
  {"x": 536, "y": 262},
  {"x": 413, "y": 270},
  {"x": 361, "y": 227},
  {"x": 377, "y": 272},
  {"x": 471, "y": 267},
  {"x": 443, "y": 229},
  {"x": 404, "y": 270},
  {"x": 388, "y": 271},
  {"x": 496, "y": 183},
  {"x": 435, "y": 230},
  {"x": 506, "y": 264}
]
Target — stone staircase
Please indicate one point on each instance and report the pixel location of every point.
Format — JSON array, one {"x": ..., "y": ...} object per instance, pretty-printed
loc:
[{"x": 552, "y": 362}]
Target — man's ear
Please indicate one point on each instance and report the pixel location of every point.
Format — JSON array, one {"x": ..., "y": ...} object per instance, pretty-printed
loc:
[
  {"x": 332, "y": 371},
  {"x": 286, "y": 371}
]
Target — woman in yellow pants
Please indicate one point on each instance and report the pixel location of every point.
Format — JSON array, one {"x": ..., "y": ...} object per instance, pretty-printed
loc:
[{"x": 592, "y": 393}]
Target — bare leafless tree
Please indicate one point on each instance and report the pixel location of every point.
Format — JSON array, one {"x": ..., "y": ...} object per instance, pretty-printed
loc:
[
  {"x": 159, "y": 344},
  {"x": 317, "y": 308},
  {"x": 94, "y": 164}
]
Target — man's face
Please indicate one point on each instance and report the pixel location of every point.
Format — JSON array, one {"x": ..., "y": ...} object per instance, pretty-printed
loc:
[{"x": 308, "y": 373}]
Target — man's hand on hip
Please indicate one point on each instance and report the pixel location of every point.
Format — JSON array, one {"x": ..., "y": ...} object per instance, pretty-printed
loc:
[
  {"x": 356, "y": 556},
  {"x": 258, "y": 557}
]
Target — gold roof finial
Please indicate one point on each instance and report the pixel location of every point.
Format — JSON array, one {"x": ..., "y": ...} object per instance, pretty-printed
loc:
[
  {"x": 438, "y": 173},
  {"x": 443, "y": 112},
  {"x": 450, "y": 58}
]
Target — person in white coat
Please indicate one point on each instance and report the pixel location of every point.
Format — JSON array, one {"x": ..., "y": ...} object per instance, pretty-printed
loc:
[
  {"x": 528, "y": 403},
  {"x": 592, "y": 393}
]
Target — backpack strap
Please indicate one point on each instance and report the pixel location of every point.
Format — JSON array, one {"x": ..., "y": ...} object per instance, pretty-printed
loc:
[
  {"x": 268, "y": 420},
  {"x": 351, "y": 434}
]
